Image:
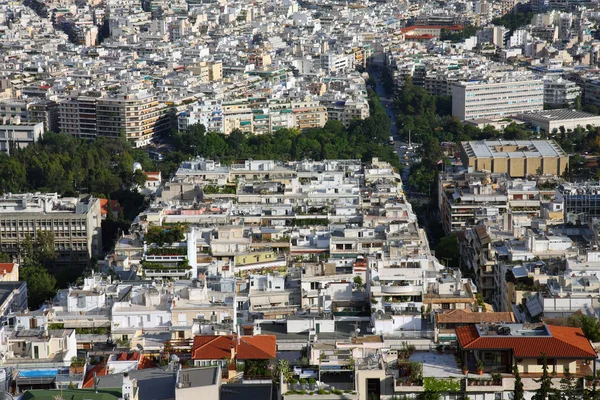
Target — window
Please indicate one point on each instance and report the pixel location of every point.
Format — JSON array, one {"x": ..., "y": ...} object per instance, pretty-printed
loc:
[{"x": 445, "y": 306}]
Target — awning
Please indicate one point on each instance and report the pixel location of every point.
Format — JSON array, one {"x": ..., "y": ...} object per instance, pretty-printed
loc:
[
  {"x": 281, "y": 298},
  {"x": 259, "y": 301}
]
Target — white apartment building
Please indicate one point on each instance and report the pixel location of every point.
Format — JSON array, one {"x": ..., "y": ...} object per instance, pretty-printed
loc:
[
  {"x": 208, "y": 113},
  {"x": 559, "y": 92},
  {"x": 497, "y": 98}
]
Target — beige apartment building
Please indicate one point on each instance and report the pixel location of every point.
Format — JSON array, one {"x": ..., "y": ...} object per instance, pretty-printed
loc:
[
  {"x": 75, "y": 224},
  {"x": 517, "y": 158},
  {"x": 505, "y": 97},
  {"x": 271, "y": 116},
  {"x": 136, "y": 115},
  {"x": 209, "y": 71}
]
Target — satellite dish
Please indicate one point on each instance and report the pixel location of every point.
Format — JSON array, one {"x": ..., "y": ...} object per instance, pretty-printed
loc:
[
  {"x": 140, "y": 347},
  {"x": 174, "y": 358}
]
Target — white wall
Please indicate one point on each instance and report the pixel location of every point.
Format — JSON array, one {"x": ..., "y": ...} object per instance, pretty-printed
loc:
[
  {"x": 304, "y": 325},
  {"x": 397, "y": 324}
]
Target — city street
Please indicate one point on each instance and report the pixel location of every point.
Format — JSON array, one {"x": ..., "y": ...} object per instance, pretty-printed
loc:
[{"x": 401, "y": 148}]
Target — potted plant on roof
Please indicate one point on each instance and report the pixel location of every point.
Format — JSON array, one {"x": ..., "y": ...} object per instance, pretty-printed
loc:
[
  {"x": 480, "y": 367},
  {"x": 465, "y": 369}
]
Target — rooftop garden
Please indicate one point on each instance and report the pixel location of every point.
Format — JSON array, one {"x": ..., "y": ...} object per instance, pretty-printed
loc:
[
  {"x": 161, "y": 235},
  {"x": 167, "y": 251},
  {"x": 153, "y": 266}
]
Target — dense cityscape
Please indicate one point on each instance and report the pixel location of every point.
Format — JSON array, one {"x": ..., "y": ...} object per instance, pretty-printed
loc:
[{"x": 293, "y": 200}]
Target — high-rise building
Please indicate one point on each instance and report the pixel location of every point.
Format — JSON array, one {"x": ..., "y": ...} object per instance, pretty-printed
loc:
[{"x": 137, "y": 116}]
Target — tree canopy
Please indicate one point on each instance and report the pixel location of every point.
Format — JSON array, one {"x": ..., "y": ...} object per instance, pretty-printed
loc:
[{"x": 363, "y": 139}]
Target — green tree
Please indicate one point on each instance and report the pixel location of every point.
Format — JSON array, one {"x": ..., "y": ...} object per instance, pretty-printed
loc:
[
  {"x": 588, "y": 324},
  {"x": 14, "y": 174},
  {"x": 592, "y": 393},
  {"x": 447, "y": 250},
  {"x": 283, "y": 368},
  {"x": 545, "y": 390},
  {"x": 358, "y": 281},
  {"x": 568, "y": 386},
  {"x": 41, "y": 285},
  {"x": 139, "y": 178},
  {"x": 39, "y": 250},
  {"x": 519, "y": 391}
]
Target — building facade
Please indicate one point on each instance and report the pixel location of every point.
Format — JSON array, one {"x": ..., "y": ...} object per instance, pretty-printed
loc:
[
  {"x": 488, "y": 99},
  {"x": 74, "y": 223}
]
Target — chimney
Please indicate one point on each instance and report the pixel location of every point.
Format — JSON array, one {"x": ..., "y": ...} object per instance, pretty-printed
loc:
[{"x": 232, "y": 352}]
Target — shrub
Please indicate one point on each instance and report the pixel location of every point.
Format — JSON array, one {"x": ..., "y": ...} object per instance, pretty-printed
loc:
[
  {"x": 303, "y": 381},
  {"x": 336, "y": 391},
  {"x": 322, "y": 391},
  {"x": 312, "y": 381}
]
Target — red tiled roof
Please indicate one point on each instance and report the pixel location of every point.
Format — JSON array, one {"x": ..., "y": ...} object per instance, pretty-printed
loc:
[
  {"x": 440, "y": 27},
  {"x": 146, "y": 363},
  {"x": 99, "y": 369},
  {"x": 152, "y": 176},
  {"x": 564, "y": 342},
  {"x": 259, "y": 347},
  {"x": 113, "y": 203},
  {"x": 128, "y": 356},
  {"x": 419, "y": 37},
  {"x": 6, "y": 268}
]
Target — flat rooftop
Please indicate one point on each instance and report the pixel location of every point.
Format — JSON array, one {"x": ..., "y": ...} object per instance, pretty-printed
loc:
[
  {"x": 562, "y": 114},
  {"x": 513, "y": 149}
]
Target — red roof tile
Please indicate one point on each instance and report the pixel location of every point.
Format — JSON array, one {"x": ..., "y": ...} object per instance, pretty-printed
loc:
[
  {"x": 146, "y": 363},
  {"x": 564, "y": 342},
  {"x": 113, "y": 203},
  {"x": 128, "y": 356},
  {"x": 6, "y": 268},
  {"x": 99, "y": 369},
  {"x": 440, "y": 27},
  {"x": 259, "y": 347}
]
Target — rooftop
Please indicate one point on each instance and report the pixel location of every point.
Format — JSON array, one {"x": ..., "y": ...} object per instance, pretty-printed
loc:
[
  {"x": 198, "y": 377},
  {"x": 513, "y": 149},
  {"x": 527, "y": 341},
  {"x": 557, "y": 115}
]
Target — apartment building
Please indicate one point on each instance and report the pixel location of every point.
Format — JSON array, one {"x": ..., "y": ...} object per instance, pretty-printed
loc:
[
  {"x": 496, "y": 98},
  {"x": 77, "y": 115},
  {"x": 75, "y": 224},
  {"x": 465, "y": 199},
  {"x": 559, "y": 92},
  {"x": 309, "y": 115},
  {"x": 581, "y": 201},
  {"x": 347, "y": 111},
  {"x": 19, "y": 134},
  {"x": 208, "y": 113},
  {"x": 36, "y": 110},
  {"x": 136, "y": 115},
  {"x": 209, "y": 71}
]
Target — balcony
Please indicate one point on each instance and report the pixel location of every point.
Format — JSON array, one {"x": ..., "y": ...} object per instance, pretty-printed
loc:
[
  {"x": 165, "y": 258},
  {"x": 400, "y": 289}
]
